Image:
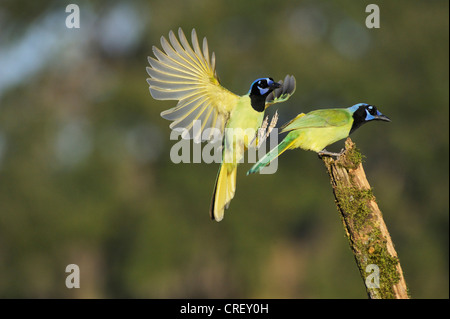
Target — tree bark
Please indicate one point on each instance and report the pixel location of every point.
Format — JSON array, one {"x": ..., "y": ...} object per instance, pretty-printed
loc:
[{"x": 364, "y": 226}]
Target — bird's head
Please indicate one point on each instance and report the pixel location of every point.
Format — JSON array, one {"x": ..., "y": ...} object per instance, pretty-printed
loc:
[
  {"x": 259, "y": 90},
  {"x": 363, "y": 113}
]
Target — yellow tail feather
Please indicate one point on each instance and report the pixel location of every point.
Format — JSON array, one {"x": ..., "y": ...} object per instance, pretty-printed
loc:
[{"x": 224, "y": 191}]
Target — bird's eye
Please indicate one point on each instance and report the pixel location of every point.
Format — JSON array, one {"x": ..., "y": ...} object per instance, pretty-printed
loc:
[
  {"x": 263, "y": 84},
  {"x": 372, "y": 109}
]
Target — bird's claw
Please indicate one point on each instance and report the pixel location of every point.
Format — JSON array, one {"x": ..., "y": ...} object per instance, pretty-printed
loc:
[
  {"x": 324, "y": 152},
  {"x": 264, "y": 131}
]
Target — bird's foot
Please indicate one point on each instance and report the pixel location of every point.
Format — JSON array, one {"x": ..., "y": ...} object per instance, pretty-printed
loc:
[
  {"x": 264, "y": 131},
  {"x": 324, "y": 152}
]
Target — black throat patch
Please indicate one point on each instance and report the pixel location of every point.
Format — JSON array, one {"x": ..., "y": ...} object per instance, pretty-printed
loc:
[
  {"x": 359, "y": 118},
  {"x": 258, "y": 102}
]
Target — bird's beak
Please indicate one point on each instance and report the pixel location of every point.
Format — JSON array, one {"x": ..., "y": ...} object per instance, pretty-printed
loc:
[
  {"x": 382, "y": 117},
  {"x": 275, "y": 85}
]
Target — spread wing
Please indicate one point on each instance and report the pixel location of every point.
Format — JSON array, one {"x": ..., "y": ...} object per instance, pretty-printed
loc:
[
  {"x": 284, "y": 92},
  {"x": 187, "y": 74},
  {"x": 318, "y": 118}
]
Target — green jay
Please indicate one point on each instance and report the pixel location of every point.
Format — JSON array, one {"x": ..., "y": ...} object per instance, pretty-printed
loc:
[
  {"x": 187, "y": 74},
  {"x": 317, "y": 129}
]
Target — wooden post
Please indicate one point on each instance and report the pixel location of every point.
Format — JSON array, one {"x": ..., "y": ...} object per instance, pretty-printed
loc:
[{"x": 363, "y": 223}]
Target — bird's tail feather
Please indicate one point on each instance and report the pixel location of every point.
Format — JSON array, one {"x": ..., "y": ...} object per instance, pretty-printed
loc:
[
  {"x": 269, "y": 157},
  {"x": 224, "y": 191}
]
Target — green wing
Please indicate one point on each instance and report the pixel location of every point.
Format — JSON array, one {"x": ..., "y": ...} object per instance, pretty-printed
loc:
[
  {"x": 284, "y": 92},
  {"x": 318, "y": 118}
]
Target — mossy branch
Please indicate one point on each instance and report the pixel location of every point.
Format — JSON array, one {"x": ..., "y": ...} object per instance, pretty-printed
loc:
[{"x": 365, "y": 228}]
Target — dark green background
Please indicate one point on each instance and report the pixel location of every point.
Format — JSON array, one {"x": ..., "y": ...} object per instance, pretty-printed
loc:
[{"x": 86, "y": 176}]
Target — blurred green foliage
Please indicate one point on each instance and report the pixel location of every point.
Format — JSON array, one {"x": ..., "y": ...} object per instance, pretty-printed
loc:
[{"x": 85, "y": 170}]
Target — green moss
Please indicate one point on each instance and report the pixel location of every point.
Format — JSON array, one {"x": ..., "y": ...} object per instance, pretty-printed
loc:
[
  {"x": 354, "y": 204},
  {"x": 370, "y": 247},
  {"x": 376, "y": 253},
  {"x": 351, "y": 158}
]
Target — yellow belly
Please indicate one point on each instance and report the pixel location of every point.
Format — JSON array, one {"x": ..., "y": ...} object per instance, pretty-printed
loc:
[
  {"x": 241, "y": 129},
  {"x": 316, "y": 139}
]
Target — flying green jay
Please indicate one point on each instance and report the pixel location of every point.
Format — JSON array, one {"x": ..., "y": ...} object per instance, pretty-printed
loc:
[
  {"x": 317, "y": 129},
  {"x": 187, "y": 74}
]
